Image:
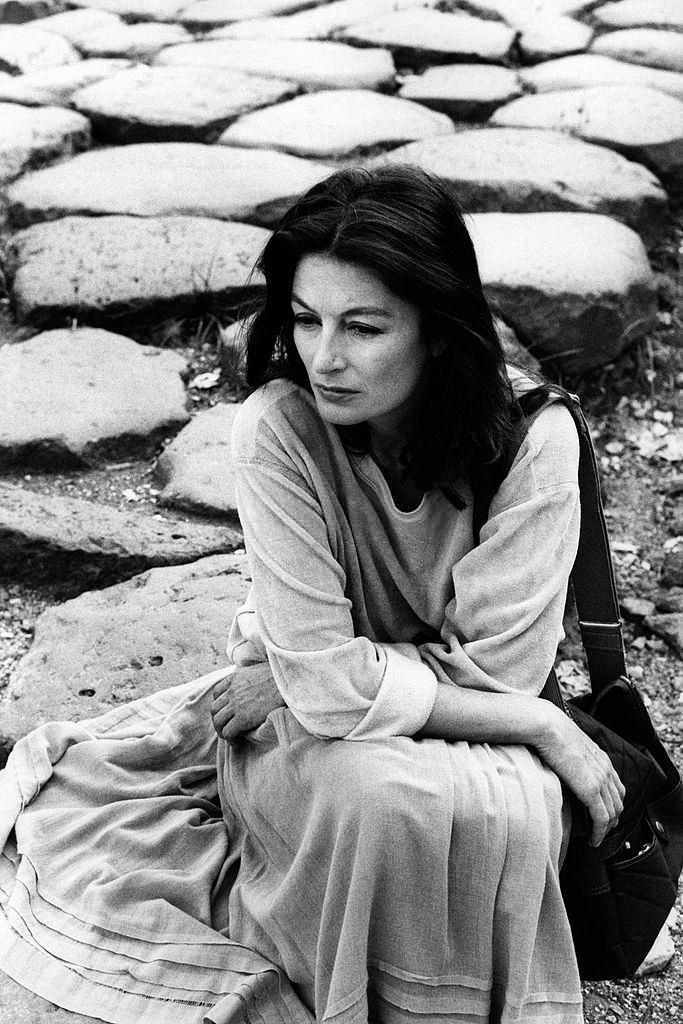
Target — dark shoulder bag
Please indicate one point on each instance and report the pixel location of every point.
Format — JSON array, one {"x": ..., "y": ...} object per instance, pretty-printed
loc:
[{"x": 619, "y": 894}]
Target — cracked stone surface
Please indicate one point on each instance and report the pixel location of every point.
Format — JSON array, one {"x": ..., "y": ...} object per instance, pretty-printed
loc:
[
  {"x": 162, "y": 628},
  {"x": 333, "y": 124},
  {"x": 663, "y": 14},
  {"x": 78, "y": 396},
  {"x": 173, "y": 178},
  {"x": 120, "y": 267},
  {"x": 56, "y": 86},
  {"x": 583, "y": 70},
  {"x": 60, "y": 537},
  {"x": 312, "y": 64},
  {"x": 463, "y": 91},
  {"x": 24, "y": 49},
  {"x": 538, "y": 280},
  {"x": 164, "y": 104},
  {"x": 416, "y": 35},
  {"x": 644, "y": 124},
  {"x": 30, "y": 136},
  {"x": 315, "y": 22},
  {"x": 196, "y": 470},
  {"x": 526, "y": 170},
  {"x": 654, "y": 47}
]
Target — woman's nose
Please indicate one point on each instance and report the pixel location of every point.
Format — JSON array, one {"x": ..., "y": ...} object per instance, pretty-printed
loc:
[{"x": 329, "y": 353}]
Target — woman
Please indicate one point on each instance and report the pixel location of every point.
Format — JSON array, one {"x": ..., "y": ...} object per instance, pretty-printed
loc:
[
  {"x": 391, "y": 816},
  {"x": 411, "y": 877}
]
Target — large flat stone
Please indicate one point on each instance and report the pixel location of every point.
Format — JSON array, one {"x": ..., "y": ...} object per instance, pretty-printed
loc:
[
  {"x": 203, "y": 14},
  {"x": 107, "y": 647},
  {"x": 310, "y": 63},
  {"x": 18, "y": 12},
  {"x": 165, "y": 104},
  {"x": 654, "y": 47},
  {"x": 666, "y": 14},
  {"x": 576, "y": 286},
  {"x": 584, "y": 70},
  {"x": 32, "y": 136},
  {"x": 543, "y": 38},
  {"x": 140, "y": 41},
  {"x": 316, "y": 22},
  {"x": 136, "y": 10},
  {"x": 59, "y": 537},
  {"x": 645, "y": 125},
  {"x": 56, "y": 86},
  {"x": 516, "y": 12},
  {"x": 336, "y": 123},
  {"x": 417, "y": 36},
  {"x": 196, "y": 470},
  {"x": 80, "y": 396},
  {"x": 119, "y": 268},
  {"x": 463, "y": 91},
  {"x": 157, "y": 179},
  {"x": 526, "y": 170},
  {"x": 23, "y": 49},
  {"x": 79, "y": 25}
]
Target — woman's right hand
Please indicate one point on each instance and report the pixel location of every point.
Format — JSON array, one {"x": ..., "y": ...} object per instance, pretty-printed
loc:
[
  {"x": 585, "y": 769},
  {"x": 243, "y": 700}
]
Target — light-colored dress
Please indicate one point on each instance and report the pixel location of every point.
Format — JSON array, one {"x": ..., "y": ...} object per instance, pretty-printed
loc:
[{"x": 362, "y": 875}]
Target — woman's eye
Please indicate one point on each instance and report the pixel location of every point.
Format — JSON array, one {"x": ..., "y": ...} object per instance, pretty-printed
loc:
[
  {"x": 304, "y": 320},
  {"x": 365, "y": 330}
]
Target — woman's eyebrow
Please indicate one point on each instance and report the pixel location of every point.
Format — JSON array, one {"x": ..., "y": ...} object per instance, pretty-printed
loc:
[{"x": 353, "y": 311}]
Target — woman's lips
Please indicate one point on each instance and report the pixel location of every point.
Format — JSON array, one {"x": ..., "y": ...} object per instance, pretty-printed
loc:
[{"x": 334, "y": 393}]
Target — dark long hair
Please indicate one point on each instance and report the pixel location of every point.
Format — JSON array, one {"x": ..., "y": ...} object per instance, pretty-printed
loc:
[{"x": 405, "y": 226}]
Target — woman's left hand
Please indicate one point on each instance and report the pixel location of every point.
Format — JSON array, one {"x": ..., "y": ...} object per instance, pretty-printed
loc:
[{"x": 244, "y": 699}]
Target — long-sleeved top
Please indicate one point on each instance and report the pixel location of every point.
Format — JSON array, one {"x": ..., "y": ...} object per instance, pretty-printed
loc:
[{"x": 345, "y": 584}]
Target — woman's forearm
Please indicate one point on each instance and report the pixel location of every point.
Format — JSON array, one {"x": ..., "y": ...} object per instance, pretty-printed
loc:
[{"x": 481, "y": 717}]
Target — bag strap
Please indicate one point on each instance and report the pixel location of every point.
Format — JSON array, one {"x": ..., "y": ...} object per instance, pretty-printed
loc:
[{"x": 592, "y": 576}]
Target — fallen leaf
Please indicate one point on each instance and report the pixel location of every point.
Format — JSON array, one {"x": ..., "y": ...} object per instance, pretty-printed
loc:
[{"x": 206, "y": 381}]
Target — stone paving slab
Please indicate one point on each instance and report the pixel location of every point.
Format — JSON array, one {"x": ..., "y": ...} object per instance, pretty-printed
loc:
[
  {"x": 311, "y": 63},
  {"x": 18, "y": 12},
  {"x": 136, "y": 10},
  {"x": 79, "y": 25},
  {"x": 56, "y": 537},
  {"x": 30, "y": 136},
  {"x": 195, "y": 471},
  {"x": 665, "y": 14},
  {"x": 120, "y": 268},
  {"x": 316, "y": 22},
  {"x": 416, "y": 36},
  {"x": 162, "y": 628},
  {"x": 159, "y": 179},
  {"x": 165, "y": 104},
  {"x": 141, "y": 41},
  {"x": 538, "y": 278},
  {"x": 654, "y": 47},
  {"x": 590, "y": 69},
  {"x": 335, "y": 124},
  {"x": 527, "y": 170},
  {"x": 543, "y": 38},
  {"x": 82, "y": 396},
  {"x": 56, "y": 86},
  {"x": 644, "y": 124},
  {"x": 206, "y": 14},
  {"x": 516, "y": 12},
  {"x": 24, "y": 49},
  {"x": 463, "y": 91}
]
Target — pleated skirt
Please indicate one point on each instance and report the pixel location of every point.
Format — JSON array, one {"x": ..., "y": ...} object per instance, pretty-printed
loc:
[{"x": 152, "y": 873}]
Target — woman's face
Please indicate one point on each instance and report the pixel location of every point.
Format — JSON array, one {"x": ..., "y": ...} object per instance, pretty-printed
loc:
[{"x": 360, "y": 343}]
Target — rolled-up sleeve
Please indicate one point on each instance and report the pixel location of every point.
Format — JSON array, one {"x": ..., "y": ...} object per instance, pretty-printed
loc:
[
  {"x": 335, "y": 683},
  {"x": 502, "y": 627}
]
